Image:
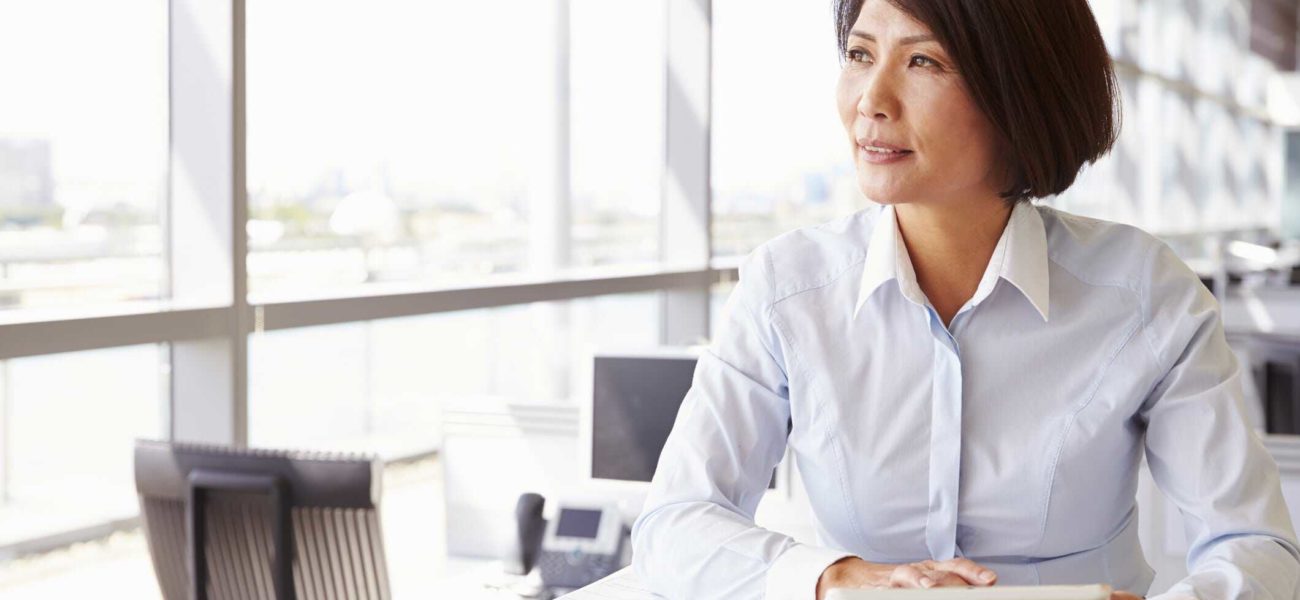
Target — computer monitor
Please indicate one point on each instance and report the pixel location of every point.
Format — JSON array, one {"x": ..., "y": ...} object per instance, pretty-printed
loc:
[
  {"x": 260, "y": 524},
  {"x": 635, "y": 397}
]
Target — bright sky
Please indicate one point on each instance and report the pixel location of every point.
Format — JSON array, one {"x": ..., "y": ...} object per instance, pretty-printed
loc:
[{"x": 90, "y": 77}]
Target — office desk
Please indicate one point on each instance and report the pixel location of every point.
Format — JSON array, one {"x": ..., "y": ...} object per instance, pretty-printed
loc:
[{"x": 622, "y": 585}]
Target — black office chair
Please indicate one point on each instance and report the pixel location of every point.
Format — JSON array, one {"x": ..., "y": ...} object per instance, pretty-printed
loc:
[{"x": 261, "y": 525}]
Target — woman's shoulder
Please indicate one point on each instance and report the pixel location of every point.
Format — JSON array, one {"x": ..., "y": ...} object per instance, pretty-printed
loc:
[
  {"x": 815, "y": 255},
  {"x": 1099, "y": 251},
  {"x": 1085, "y": 230}
]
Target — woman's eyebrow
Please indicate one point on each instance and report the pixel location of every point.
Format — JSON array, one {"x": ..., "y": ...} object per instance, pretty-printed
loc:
[{"x": 903, "y": 41}]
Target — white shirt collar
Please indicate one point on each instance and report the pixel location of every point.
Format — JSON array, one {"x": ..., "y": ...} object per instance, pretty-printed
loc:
[{"x": 1020, "y": 257}]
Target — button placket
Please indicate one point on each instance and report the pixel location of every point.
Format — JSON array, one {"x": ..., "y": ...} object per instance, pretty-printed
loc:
[{"x": 945, "y": 444}]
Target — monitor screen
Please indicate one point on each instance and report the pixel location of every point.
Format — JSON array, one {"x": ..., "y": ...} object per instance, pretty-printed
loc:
[
  {"x": 635, "y": 402},
  {"x": 578, "y": 523},
  {"x": 634, "y": 405}
]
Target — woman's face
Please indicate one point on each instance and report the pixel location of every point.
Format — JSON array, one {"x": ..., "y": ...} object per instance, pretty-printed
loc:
[{"x": 916, "y": 134}]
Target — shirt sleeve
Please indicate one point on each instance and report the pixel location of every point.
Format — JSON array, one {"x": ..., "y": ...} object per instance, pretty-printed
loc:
[
  {"x": 696, "y": 538},
  {"x": 1202, "y": 452}
]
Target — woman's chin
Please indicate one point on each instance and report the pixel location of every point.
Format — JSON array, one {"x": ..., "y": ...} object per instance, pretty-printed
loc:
[
  {"x": 884, "y": 195},
  {"x": 884, "y": 191},
  {"x": 885, "y": 200}
]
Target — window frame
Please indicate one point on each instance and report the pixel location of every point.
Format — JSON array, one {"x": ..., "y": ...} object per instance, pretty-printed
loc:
[{"x": 208, "y": 317}]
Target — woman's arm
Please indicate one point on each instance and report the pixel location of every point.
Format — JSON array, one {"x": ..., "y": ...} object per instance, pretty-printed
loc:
[
  {"x": 696, "y": 536},
  {"x": 1204, "y": 455}
]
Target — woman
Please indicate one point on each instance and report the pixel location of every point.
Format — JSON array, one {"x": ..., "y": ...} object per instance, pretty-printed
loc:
[{"x": 967, "y": 381}]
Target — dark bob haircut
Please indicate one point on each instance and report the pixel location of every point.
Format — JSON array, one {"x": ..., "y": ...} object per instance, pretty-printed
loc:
[{"x": 1038, "y": 69}]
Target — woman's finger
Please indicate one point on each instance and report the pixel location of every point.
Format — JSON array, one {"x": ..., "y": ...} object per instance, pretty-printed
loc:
[
  {"x": 909, "y": 576},
  {"x": 969, "y": 570},
  {"x": 945, "y": 578}
]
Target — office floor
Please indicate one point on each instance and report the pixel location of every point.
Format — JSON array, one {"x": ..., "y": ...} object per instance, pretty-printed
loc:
[{"x": 412, "y": 510}]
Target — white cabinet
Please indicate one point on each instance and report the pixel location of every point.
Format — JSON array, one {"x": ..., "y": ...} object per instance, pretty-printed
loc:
[{"x": 493, "y": 451}]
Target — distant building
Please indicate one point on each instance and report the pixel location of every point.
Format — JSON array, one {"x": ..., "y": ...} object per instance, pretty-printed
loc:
[{"x": 26, "y": 176}]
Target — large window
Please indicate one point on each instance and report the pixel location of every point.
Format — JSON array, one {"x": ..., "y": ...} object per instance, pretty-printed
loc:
[
  {"x": 83, "y": 152},
  {"x": 380, "y": 385},
  {"x": 781, "y": 158},
  {"x": 67, "y": 425},
  {"x": 409, "y": 141},
  {"x": 389, "y": 140},
  {"x": 438, "y": 146},
  {"x": 617, "y": 113}
]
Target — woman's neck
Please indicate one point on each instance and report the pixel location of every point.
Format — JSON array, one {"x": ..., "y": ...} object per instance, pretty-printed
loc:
[{"x": 950, "y": 246}]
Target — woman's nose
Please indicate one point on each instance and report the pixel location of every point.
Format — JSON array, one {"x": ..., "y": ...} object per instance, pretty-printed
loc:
[{"x": 879, "y": 99}]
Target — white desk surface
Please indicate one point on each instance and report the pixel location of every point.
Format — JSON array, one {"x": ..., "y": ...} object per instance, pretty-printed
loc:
[
  {"x": 473, "y": 579},
  {"x": 477, "y": 579},
  {"x": 622, "y": 585}
]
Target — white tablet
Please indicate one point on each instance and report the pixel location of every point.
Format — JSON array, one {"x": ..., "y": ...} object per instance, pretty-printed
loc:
[{"x": 1044, "y": 592}]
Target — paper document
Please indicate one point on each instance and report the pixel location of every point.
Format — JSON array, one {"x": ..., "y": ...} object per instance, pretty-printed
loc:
[
  {"x": 623, "y": 585},
  {"x": 1040, "y": 592}
]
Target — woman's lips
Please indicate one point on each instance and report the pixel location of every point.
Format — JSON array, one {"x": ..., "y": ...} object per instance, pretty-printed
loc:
[{"x": 883, "y": 156}]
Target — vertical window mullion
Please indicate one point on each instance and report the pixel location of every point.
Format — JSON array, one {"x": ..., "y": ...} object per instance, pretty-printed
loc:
[
  {"x": 685, "y": 215},
  {"x": 207, "y": 216}
]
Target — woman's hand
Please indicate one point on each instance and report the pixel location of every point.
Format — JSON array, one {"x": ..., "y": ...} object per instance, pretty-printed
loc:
[{"x": 854, "y": 572}]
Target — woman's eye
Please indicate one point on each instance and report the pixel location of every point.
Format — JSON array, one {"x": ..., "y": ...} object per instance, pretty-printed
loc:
[
  {"x": 857, "y": 55},
  {"x": 923, "y": 61}
]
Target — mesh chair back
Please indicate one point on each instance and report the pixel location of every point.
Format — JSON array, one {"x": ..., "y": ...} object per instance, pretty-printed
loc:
[{"x": 334, "y": 534}]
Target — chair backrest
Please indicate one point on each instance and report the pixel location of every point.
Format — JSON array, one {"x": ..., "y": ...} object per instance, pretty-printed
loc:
[{"x": 220, "y": 523}]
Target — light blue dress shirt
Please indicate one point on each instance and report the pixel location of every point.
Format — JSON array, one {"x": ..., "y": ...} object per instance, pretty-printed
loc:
[{"x": 1012, "y": 437}]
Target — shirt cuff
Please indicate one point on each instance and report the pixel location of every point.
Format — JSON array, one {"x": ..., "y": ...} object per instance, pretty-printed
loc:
[
  {"x": 794, "y": 574},
  {"x": 1173, "y": 595}
]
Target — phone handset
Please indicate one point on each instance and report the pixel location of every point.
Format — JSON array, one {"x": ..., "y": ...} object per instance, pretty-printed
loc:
[{"x": 530, "y": 527}]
